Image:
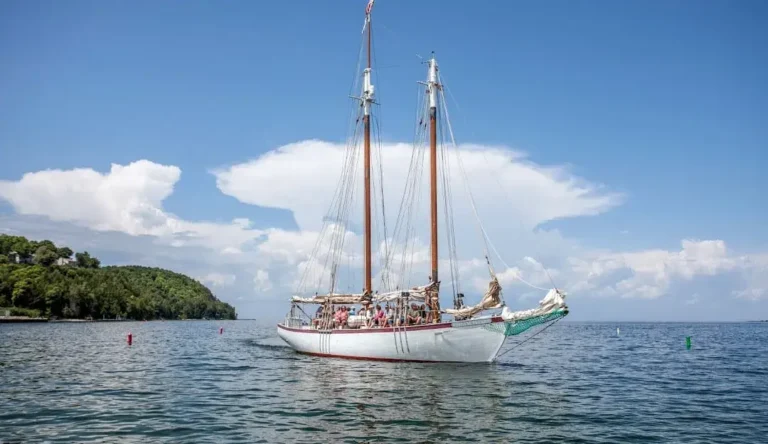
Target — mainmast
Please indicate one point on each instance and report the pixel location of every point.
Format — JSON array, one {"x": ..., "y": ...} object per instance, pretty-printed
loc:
[
  {"x": 367, "y": 99},
  {"x": 432, "y": 86}
]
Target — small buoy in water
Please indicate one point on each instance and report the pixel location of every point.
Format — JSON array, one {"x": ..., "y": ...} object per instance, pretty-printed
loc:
[
  {"x": 688, "y": 342},
  {"x": 130, "y": 339},
  {"x": 221, "y": 330}
]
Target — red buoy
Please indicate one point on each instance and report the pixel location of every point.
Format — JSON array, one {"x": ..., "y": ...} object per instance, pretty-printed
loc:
[
  {"x": 130, "y": 339},
  {"x": 221, "y": 330}
]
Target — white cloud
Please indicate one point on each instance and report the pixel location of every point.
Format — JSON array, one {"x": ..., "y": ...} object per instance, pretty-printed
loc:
[
  {"x": 648, "y": 274},
  {"x": 261, "y": 281},
  {"x": 218, "y": 279},
  {"x": 308, "y": 171},
  {"x": 514, "y": 197},
  {"x": 755, "y": 272},
  {"x": 127, "y": 199},
  {"x": 753, "y": 294}
]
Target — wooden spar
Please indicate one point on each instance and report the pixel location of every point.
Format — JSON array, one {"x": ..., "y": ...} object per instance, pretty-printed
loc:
[
  {"x": 367, "y": 154},
  {"x": 367, "y": 166},
  {"x": 433, "y": 85},
  {"x": 433, "y": 187}
]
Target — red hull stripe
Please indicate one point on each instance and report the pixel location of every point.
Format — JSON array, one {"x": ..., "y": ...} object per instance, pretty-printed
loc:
[
  {"x": 363, "y": 358},
  {"x": 494, "y": 320},
  {"x": 370, "y": 330}
]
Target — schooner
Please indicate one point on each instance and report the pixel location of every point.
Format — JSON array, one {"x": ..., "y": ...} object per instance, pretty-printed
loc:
[{"x": 413, "y": 326}]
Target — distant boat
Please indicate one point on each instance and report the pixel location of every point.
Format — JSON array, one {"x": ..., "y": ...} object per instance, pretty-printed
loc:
[{"x": 425, "y": 332}]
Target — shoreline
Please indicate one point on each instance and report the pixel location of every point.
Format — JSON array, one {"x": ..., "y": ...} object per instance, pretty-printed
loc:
[
  {"x": 18, "y": 319},
  {"x": 26, "y": 319}
]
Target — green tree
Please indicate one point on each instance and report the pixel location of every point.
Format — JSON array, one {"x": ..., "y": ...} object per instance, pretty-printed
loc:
[
  {"x": 45, "y": 255},
  {"x": 23, "y": 247},
  {"x": 88, "y": 290},
  {"x": 65, "y": 252},
  {"x": 84, "y": 260},
  {"x": 44, "y": 243}
]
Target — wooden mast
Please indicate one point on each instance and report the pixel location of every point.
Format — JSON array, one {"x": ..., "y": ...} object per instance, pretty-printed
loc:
[
  {"x": 367, "y": 100},
  {"x": 433, "y": 85}
]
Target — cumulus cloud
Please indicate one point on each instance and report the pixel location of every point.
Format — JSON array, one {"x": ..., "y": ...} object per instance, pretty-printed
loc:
[
  {"x": 648, "y": 274},
  {"x": 755, "y": 272},
  {"x": 218, "y": 279},
  {"x": 261, "y": 281},
  {"x": 514, "y": 198},
  {"x": 694, "y": 299},
  {"x": 504, "y": 183},
  {"x": 126, "y": 199},
  {"x": 512, "y": 194}
]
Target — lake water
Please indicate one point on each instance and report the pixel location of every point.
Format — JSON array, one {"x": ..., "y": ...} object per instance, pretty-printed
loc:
[{"x": 576, "y": 382}]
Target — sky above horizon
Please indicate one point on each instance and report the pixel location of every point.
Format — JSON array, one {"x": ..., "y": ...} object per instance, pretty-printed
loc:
[{"x": 621, "y": 145}]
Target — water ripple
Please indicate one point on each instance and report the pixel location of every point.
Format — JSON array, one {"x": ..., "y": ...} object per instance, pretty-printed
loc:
[{"x": 183, "y": 382}]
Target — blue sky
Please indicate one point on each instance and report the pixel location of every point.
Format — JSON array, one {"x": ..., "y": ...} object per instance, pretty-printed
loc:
[{"x": 662, "y": 103}]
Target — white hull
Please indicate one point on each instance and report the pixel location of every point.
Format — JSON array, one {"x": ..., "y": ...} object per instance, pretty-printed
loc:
[{"x": 477, "y": 340}]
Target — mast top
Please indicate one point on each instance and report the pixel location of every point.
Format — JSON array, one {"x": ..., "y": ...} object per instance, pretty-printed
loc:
[
  {"x": 368, "y": 89},
  {"x": 368, "y": 10},
  {"x": 432, "y": 83}
]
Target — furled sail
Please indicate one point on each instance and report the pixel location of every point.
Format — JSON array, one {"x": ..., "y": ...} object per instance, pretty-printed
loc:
[
  {"x": 553, "y": 302},
  {"x": 332, "y": 298},
  {"x": 550, "y": 309},
  {"x": 415, "y": 294},
  {"x": 490, "y": 300}
]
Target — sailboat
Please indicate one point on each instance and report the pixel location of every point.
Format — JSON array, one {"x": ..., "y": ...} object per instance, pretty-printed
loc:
[{"x": 413, "y": 326}]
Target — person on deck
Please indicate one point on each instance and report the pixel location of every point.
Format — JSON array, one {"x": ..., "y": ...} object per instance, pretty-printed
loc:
[
  {"x": 367, "y": 316},
  {"x": 318, "y": 316},
  {"x": 414, "y": 315},
  {"x": 344, "y": 316},
  {"x": 337, "y": 318},
  {"x": 400, "y": 313},
  {"x": 380, "y": 318}
]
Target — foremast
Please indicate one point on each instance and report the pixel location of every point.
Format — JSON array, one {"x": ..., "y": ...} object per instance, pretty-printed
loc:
[
  {"x": 432, "y": 88},
  {"x": 367, "y": 100}
]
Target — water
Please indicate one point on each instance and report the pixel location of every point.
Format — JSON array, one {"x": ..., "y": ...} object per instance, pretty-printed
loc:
[{"x": 183, "y": 382}]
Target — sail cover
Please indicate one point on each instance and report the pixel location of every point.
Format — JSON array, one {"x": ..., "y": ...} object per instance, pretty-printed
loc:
[
  {"x": 553, "y": 302},
  {"x": 415, "y": 294},
  {"x": 491, "y": 299},
  {"x": 550, "y": 308}
]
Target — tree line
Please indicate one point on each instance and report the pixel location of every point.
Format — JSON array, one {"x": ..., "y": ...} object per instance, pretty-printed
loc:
[{"x": 33, "y": 278}]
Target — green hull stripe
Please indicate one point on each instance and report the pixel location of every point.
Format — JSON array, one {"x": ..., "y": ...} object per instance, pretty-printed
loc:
[{"x": 515, "y": 328}]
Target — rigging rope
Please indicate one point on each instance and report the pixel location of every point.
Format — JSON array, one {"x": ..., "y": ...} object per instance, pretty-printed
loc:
[
  {"x": 464, "y": 174},
  {"x": 336, "y": 218},
  {"x": 410, "y": 199},
  {"x": 486, "y": 239},
  {"x": 530, "y": 337},
  {"x": 447, "y": 194}
]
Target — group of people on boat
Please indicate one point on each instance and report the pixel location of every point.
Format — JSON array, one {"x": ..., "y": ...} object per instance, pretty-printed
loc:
[{"x": 368, "y": 316}]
